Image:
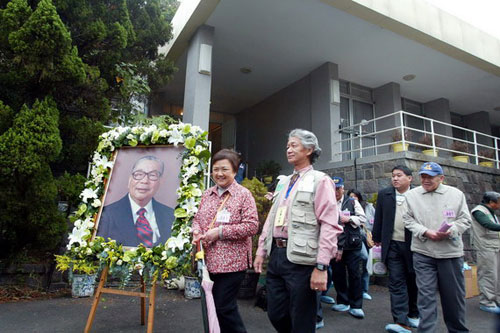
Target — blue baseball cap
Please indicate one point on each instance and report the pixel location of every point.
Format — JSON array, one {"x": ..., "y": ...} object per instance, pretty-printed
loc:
[
  {"x": 338, "y": 181},
  {"x": 431, "y": 169}
]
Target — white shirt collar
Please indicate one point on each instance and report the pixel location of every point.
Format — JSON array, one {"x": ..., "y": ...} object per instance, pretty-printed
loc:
[{"x": 135, "y": 207}]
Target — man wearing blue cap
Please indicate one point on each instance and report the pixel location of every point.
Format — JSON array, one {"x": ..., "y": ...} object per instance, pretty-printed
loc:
[{"x": 437, "y": 216}]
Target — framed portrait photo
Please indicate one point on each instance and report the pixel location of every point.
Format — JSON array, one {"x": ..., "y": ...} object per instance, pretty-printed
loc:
[
  {"x": 140, "y": 196},
  {"x": 144, "y": 186}
]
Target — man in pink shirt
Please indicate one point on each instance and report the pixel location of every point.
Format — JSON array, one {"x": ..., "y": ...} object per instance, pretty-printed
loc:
[{"x": 300, "y": 237}]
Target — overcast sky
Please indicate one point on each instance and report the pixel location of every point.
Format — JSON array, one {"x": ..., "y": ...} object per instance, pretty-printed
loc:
[{"x": 483, "y": 14}]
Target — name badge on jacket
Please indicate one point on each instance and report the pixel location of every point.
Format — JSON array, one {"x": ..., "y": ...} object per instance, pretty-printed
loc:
[{"x": 223, "y": 216}]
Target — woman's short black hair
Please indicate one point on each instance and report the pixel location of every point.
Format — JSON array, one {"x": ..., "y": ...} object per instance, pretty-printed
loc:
[{"x": 230, "y": 155}]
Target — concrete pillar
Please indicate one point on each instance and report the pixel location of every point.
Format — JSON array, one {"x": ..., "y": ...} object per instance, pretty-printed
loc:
[
  {"x": 387, "y": 99},
  {"x": 325, "y": 112},
  {"x": 480, "y": 121},
  {"x": 198, "y": 85},
  {"x": 439, "y": 109}
]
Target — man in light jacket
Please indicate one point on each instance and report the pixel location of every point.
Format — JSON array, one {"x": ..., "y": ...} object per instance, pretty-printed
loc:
[{"x": 437, "y": 216}]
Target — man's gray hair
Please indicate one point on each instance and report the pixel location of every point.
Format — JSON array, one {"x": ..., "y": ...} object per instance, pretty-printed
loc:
[
  {"x": 150, "y": 158},
  {"x": 308, "y": 140},
  {"x": 490, "y": 196}
]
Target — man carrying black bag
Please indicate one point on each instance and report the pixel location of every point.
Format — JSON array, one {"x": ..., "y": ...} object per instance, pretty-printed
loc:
[{"x": 349, "y": 289}]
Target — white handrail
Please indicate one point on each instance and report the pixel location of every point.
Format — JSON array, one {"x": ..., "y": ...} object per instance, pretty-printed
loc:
[{"x": 403, "y": 130}]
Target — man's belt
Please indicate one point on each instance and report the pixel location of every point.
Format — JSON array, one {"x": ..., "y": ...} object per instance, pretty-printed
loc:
[{"x": 280, "y": 242}]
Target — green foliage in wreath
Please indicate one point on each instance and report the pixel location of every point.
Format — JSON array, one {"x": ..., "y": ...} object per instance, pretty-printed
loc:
[{"x": 174, "y": 256}]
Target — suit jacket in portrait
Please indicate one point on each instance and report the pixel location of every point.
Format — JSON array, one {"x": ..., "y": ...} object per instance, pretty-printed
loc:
[
  {"x": 117, "y": 222},
  {"x": 383, "y": 224}
]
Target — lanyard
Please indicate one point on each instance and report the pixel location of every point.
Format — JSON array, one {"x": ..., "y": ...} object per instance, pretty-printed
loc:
[
  {"x": 292, "y": 183},
  {"x": 218, "y": 210}
]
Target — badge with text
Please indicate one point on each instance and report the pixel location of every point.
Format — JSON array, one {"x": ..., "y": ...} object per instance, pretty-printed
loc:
[
  {"x": 223, "y": 216},
  {"x": 449, "y": 213},
  {"x": 280, "y": 216},
  {"x": 346, "y": 213}
]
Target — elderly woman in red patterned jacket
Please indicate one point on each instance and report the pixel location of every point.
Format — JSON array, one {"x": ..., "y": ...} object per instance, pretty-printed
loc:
[{"x": 225, "y": 223}]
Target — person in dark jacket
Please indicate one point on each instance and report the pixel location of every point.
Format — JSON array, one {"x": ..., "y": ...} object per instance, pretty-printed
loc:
[
  {"x": 390, "y": 233},
  {"x": 346, "y": 268}
]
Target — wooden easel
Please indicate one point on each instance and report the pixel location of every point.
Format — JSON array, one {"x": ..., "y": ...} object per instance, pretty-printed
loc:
[{"x": 142, "y": 294}]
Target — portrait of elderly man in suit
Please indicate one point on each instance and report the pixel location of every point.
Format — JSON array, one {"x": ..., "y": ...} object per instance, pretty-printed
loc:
[{"x": 137, "y": 217}]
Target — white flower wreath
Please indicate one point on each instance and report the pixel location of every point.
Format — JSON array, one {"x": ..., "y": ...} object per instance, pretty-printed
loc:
[{"x": 175, "y": 254}]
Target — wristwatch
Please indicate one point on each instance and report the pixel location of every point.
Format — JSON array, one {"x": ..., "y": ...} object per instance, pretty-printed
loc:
[{"x": 321, "y": 267}]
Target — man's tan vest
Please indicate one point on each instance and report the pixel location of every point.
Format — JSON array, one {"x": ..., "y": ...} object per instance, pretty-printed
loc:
[
  {"x": 482, "y": 238},
  {"x": 303, "y": 227}
]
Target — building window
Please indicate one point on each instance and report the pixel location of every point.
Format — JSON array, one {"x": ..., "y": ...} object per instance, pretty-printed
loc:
[
  {"x": 413, "y": 122},
  {"x": 356, "y": 105}
]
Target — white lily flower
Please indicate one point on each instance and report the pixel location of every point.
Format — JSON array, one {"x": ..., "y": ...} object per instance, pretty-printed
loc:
[
  {"x": 190, "y": 206},
  {"x": 88, "y": 194},
  {"x": 96, "y": 203},
  {"x": 175, "y": 137},
  {"x": 177, "y": 242},
  {"x": 76, "y": 236}
]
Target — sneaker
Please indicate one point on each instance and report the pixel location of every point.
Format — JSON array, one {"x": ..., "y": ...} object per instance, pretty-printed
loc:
[
  {"x": 340, "y": 307},
  {"x": 357, "y": 313},
  {"x": 320, "y": 324},
  {"x": 397, "y": 328},
  {"x": 327, "y": 299},
  {"x": 491, "y": 309},
  {"x": 413, "y": 322},
  {"x": 367, "y": 296}
]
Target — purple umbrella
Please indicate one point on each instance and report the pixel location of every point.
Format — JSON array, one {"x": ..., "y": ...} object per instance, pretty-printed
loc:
[{"x": 210, "y": 320}]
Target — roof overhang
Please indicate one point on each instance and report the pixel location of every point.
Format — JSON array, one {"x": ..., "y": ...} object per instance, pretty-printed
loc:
[{"x": 373, "y": 42}]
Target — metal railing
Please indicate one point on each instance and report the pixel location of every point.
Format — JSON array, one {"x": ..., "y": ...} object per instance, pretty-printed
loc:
[{"x": 435, "y": 136}]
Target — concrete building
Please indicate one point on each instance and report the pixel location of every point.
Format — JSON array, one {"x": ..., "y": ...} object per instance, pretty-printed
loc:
[{"x": 250, "y": 71}]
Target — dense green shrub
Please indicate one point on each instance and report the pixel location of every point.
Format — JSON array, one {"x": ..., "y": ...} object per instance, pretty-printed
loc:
[{"x": 29, "y": 216}]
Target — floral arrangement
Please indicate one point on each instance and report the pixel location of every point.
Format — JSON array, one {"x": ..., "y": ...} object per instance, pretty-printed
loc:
[{"x": 85, "y": 255}]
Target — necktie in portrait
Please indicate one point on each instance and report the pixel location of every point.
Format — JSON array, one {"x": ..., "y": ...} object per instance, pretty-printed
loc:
[{"x": 144, "y": 231}]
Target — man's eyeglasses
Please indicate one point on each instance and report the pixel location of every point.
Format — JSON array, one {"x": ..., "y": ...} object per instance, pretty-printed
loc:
[
  {"x": 152, "y": 176},
  {"x": 223, "y": 170}
]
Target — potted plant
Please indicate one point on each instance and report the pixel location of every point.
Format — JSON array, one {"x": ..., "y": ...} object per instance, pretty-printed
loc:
[
  {"x": 267, "y": 171},
  {"x": 397, "y": 146},
  {"x": 426, "y": 142},
  {"x": 460, "y": 147},
  {"x": 82, "y": 269},
  {"x": 192, "y": 286},
  {"x": 488, "y": 155},
  {"x": 258, "y": 190}
]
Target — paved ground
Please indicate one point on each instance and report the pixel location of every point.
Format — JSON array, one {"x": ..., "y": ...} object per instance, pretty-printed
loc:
[{"x": 176, "y": 314}]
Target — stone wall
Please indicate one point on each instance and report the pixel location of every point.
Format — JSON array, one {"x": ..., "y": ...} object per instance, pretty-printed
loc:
[
  {"x": 373, "y": 173},
  {"x": 38, "y": 276}
]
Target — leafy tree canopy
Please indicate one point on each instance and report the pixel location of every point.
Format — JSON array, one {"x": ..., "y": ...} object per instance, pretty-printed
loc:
[{"x": 67, "y": 67}]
